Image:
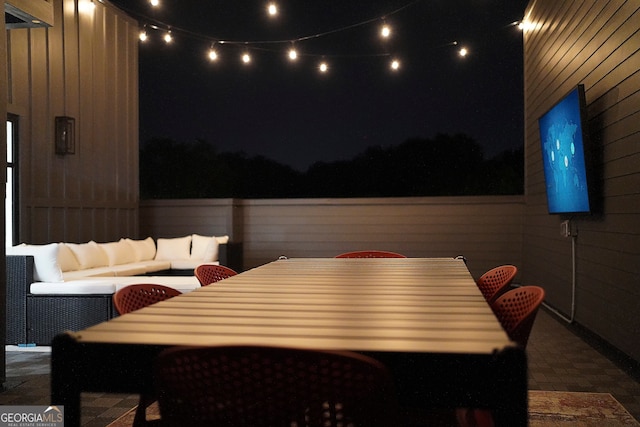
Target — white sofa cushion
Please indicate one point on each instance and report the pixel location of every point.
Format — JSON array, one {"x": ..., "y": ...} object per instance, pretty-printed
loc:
[
  {"x": 89, "y": 255},
  {"x": 118, "y": 253},
  {"x": 75, "y": 287},
  {"x": 45, "y": 260},
  {"x": 175, "y": 248},
  {"x": 66, "y": 258},
  {"x": 204, "y": 248},
  {"x": 144, "y": 250},
  {"x": 109, "y": 285}
]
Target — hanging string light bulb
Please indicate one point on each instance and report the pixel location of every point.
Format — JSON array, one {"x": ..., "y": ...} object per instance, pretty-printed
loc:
[
  {"x": 272, "y": 9},
  {"x": 143, "y": 35},
  {"x": 293, "y": 53},
  {"x": 323, "y": 67},
  {"x": 213, "y": 55},
  {"x": 167, "y": 37},
  {"x": 154, "y": 3},
  {"x": 463, "y": 52},
  {"x": 246, "y": 58},
  {"x": 385, "y": 31},
  {"x": 395, "y": 65}
]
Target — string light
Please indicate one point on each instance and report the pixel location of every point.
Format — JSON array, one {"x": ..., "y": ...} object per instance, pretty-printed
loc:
[
  {"x": 293, "y": 54},
  {"x": 213, "y": 55},
  {"x": 272, "y": 9},
  {"x": 385, "y": 31}
]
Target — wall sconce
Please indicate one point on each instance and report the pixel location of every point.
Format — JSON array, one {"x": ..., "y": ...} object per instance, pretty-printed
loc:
[{"x": 65, "y": 135}]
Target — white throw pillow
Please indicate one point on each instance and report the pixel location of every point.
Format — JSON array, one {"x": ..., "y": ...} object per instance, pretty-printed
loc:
[
  {"x": 144, "y": 250},
  {"x": 89, "y": 255},
  {"x": 204, "y": 248},
  {"x": 66, "y": 258},
  {"x": 176, "y": 248},
  {"x": 223, "y": 240},
  {"x": 119, "y": 252},
  {"x": 45, "y": 259}
]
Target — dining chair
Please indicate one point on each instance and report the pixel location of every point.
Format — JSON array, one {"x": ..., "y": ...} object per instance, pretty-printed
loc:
[
  {"x": 496, "y": 281},
  {"x": 261, "y": 386},
  {"x": 131, "y": 298},
  {"x": 516, "y": 310},
  {"x": 134, "y": 297},
  {"x": 211, "y": 273},
  {"x": 370, "y": 254}
]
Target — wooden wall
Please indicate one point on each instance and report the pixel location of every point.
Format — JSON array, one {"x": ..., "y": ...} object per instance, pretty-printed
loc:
[
  {"x": 487, "y": 230},
  {"x": 596, "y": 44},
  {"x": 3, "y": 181},
  {"x": 85, "y": 67}
]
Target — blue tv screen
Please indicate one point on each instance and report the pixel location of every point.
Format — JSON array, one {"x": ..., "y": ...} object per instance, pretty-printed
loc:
[{"x": 563, "y": 154}]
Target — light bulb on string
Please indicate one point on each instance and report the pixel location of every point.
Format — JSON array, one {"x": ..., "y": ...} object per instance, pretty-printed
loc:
[
  {"x": 323, "y": 67},
  {"x": 213, "y": 55},
  {"x": 293, "y": 53},
  {"x": 154, "y": 3},
  {"x": 143, "y": 35},
  {"x": 385, "y": 31},
  {"x": 167, "y": 37},
  {"x": 463, "y": 52},
  {"x": 394, "y": 64},
  {"x": 272, "y": 9},
  {"x": 246, "y": 58}
]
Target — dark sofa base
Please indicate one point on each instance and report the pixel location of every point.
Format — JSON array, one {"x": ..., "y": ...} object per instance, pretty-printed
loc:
[{"x": 48, "y": 315}]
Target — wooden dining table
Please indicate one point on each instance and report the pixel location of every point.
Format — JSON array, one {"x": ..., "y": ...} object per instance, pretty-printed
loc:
[{"x": 423, "y": 317}]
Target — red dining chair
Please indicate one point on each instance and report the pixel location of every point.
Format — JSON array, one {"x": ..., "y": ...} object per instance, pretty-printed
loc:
[
  {"x": 239, "y": 386},
  {"x": 370, "y": 254},
  {"x": 134, "y": 297},
  {"x": 211, "y": 273},
  {"x": 496, "y": 281},
  {"x": 131, "y": 298},
  {"x": 516, "y": 310}
]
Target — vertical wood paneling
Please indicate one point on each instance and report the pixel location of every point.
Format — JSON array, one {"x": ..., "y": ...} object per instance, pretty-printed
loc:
[
  {"x": 4, "y": 100},
  {"x": 69, "y": 70},
  {"x": 487, "y": 230},
  {"x": 596, "y": 44}
]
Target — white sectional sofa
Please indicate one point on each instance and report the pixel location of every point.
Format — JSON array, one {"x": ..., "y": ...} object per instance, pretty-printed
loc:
[{"x": 69, "y": 286}]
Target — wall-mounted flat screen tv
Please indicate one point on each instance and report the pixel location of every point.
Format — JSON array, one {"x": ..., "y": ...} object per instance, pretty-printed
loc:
[{"x": 563, "y": 138}]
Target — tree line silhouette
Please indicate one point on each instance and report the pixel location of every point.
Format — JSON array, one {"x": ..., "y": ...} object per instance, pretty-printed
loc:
[{"x": 446, "y": 165}]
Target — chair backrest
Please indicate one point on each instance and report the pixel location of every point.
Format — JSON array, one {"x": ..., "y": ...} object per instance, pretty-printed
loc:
[
  {"x": 516, "y": 310},
  {"x": 211, "y": 273},
  {"x": 266, "y": 386},
  {"x": 134, "y": 297},
  {"x": 370, "y": 254},
  {"x": 496, "y": 281}
]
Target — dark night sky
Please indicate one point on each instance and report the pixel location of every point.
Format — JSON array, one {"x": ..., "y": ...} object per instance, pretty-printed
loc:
[{"x": 293, "y": 114}]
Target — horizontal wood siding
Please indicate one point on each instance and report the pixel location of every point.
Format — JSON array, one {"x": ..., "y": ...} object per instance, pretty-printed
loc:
[
  {"x": 596, "y": 44},
  {"x": 486, "y": 230},
  {"x": 85, "y": 67}
]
